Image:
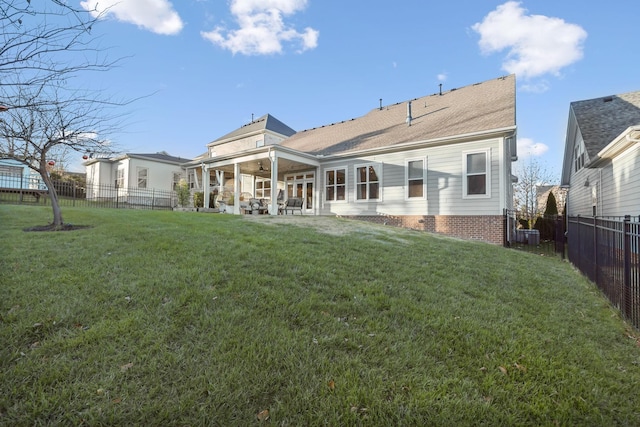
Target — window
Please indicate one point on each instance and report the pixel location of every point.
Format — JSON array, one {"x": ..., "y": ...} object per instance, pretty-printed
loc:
[
  {"x": 368, "y": 182},
  {"x": 336, "y": 185},
  {"x": 578, "y": 157},
  {"x": 263, "y": 188},
  {"x": 120, "y": 178},
  {"x": 176, "y": 180},
  {"x": 10, "y": 171},
  {"x": 476, "y": 172},
  {"x": 416, "y": 183},
  {"x": 142, "y": 177}
]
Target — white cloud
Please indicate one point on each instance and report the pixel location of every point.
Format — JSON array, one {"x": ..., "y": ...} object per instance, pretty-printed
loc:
[
  {"x": 262, "y": 29},
  {"x": 157, "y": 16},
  {"x": 527, "y": 147},
  {"x": 536, "y": 44},
  {"x": 442, "y": 77}
]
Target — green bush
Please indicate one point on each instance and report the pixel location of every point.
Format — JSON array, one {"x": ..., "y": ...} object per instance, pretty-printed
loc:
[
  {"x": 183, "y": 193},
  {"x": 198, "y": 199}
]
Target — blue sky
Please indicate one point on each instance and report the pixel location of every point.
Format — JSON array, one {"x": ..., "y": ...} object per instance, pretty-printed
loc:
[{"x": 209, "y": 65}]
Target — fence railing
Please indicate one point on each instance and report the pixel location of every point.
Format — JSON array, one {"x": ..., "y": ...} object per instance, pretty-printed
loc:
[
  {"x": 607, "y": 251},
  {"x": 21, "y": 190}
]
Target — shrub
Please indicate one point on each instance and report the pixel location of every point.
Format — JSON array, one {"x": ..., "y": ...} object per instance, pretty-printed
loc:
[
  {"x": 198, "y": 199},
  {"x": 182, "y": 191}
]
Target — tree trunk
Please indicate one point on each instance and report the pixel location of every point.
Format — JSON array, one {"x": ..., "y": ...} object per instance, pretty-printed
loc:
[{"x": 53, "y": 196}]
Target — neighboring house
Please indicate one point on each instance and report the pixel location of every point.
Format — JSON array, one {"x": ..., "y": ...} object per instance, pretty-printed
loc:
[
  {"x": 439, "y": 163},
  {"x": 602, "y": 156},
  {"x": 16, "y": 175},
  {"x": 135, "y": 177},
  {"x": 542, "y": 195}
]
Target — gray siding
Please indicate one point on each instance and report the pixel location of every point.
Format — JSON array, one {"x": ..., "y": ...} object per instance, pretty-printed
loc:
[
  {"x": 621, "y": 185},
  {"x": 444, "y": 183}
]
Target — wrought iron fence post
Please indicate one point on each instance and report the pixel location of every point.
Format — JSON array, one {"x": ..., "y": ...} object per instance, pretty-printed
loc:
[
  {"x": 21, "y": 185},
  {"x": 626, "y": 282},
  {"x": 595, "y": 249}
]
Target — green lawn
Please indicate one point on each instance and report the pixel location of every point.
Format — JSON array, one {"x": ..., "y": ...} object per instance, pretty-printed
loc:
[{"x": 168, "y": 318}]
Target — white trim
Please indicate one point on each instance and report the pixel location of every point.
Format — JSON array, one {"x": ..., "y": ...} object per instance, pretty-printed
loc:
[
  {"x": 487, "y": 172},
  {"x": 422, "y": 159},
  {"x": 377, "y": 166},
  {"x": 335, "y": 185}
]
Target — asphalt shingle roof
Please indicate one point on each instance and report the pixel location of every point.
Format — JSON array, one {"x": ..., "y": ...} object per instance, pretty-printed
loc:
[
  {"x": 159, "y": 156},
  {"x": 266, "y": 122},
  {"x": 601, "y": 120},
  {"x": 482, "y": 106}
]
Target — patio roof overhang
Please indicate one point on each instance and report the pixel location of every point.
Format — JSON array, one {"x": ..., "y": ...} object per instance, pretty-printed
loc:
[{"x": 259, "y": 161}]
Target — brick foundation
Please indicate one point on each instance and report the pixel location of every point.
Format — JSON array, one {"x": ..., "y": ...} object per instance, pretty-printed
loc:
[{"x": 487, "y": 228}]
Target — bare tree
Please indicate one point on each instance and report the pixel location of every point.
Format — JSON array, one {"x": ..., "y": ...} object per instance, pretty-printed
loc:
[
  {"x": 41, "y": 41},
  {"x": 57, "y": 120},
  {"x": 46, "y": 44},
  {"x": 531, "y": 174}
]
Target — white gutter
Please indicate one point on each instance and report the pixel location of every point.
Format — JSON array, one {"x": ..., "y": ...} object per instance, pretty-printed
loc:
[{"x": 618, "y": 145}]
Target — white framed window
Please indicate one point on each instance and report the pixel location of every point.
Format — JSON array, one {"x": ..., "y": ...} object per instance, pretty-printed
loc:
[
  {"x": 416, "y": 178},
  {"x": 263, "y": 188},
  {"x": 578, "y": 157},
  {"x": 335, "y": 187},
  {"x": 176, "y": 180},
  {"x": 476, "y": 174},
  {"x": 368, "y": 178},
  {"x": 142, "y": 177},
  {"x": 120, "y": 178}
]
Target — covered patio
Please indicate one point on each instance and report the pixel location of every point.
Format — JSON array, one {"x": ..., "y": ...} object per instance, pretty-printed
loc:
[{"x": 262, "y": 173}]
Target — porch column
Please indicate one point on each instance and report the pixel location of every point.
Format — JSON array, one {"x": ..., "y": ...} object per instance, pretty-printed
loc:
[
  {"x": 273, "y": 207},
  {"x": 236, "y": 188},
  {"x": 205, "y": 184}
]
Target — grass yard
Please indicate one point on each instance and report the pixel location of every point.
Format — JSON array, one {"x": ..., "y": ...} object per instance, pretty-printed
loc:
[{"x": 169, "y": 318}]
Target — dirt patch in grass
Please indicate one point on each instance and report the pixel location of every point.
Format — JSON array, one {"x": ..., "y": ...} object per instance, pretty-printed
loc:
[
  {"x": 329, "y": 225},
  {"x": 63, "y": 227}
]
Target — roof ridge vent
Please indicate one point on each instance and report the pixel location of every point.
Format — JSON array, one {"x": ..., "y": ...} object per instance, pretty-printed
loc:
[{"x": 607, "y": 99}]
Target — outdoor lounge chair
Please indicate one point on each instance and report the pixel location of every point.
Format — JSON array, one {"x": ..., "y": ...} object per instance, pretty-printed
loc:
[
  {"x": 294, "y": 204},
  {"x": 257, "y": 206}
]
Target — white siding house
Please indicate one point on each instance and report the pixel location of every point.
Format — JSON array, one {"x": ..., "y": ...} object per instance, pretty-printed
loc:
[
  {"x": 134, "y": 178},
  {"x": 439, "y": 163},
  {"x": 601, "y": 164}
]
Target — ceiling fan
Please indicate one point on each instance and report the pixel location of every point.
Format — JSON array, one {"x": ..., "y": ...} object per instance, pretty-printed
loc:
[{"x": 261, "y": 168}]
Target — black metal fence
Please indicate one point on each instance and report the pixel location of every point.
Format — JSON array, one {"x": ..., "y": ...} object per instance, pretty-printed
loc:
[
  {"x": 607, "y": 251},
  {"x": 21, "y": 190}
]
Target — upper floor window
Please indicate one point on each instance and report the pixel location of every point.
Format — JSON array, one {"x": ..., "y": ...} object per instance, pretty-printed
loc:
[
  {"x": 578, "y": 157},
  {"x": 476, "y": 174},
  {"x": 415, "y": 170},
  {"x": 368, "y": 182},
  {"x": 142, "y": 177},
  {"x": 335, "y": 184}
]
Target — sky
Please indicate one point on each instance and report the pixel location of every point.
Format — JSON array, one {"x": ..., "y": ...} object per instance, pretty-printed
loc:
[{"x": 202, "y": 68}]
